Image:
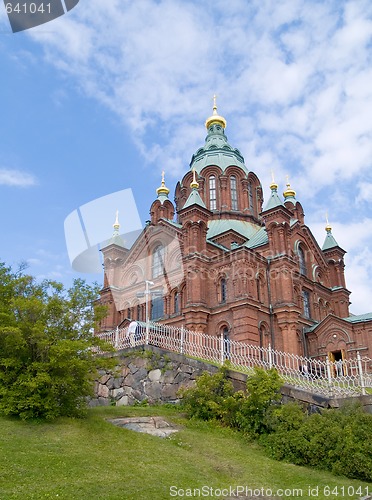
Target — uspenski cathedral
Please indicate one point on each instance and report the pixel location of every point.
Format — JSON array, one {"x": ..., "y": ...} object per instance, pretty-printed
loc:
[{"x": 221, "y": 261}]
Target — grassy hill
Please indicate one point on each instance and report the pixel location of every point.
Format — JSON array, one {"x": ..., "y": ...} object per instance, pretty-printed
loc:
[{"x": 93, "y": 459}]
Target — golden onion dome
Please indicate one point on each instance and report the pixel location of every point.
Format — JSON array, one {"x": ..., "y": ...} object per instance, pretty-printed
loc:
[
  {"x": 289, "y": 192},
  {"x": 215, "y": 118},
  {"x": 194, "y": 184},
  {"x": 162, "y": 190}
]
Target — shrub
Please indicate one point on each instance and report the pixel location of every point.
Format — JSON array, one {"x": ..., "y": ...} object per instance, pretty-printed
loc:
[
  {"x": 263, "y": 390},
  {"x": 47, "y": 346},
  {"x": 335, "y": 440},
  {"x": 210, "y": 398}
]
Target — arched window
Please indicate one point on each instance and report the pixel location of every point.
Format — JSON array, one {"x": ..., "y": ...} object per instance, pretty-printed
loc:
[
  {"x": 226, "y": 342},
  {"x": 223, "y": 290},
  {"x": 212, "y": 193},
  {"x": 158, "y": 261},
  {"x": 157, "y": 307},
  {"x": 306, "y": 302},
  {"x": 250, "y": 196},
  {"x": 302, "y": 261},
  {"x": 234, "y": 193},
  {"x": 139, "y": 312},
  {"x": 176, "y": 303}
]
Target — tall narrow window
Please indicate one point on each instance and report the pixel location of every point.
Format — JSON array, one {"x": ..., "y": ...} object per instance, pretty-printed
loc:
[
  {"x": 250, "y": 196},
  {"x": 223, "y": 290},
  {"x": 226, "y": 343},
  {"x": 176, "y": 303},
  {"x": 158, "y": 261},
  {"x": 212, "y": 193},
  {"x": 306, "y": 300},
  {"x": 234, "y": 193},
  {"x": 157, "y": 308},
  {"x": 302, "y": 261},
  {"x": 139, "y": 312}
]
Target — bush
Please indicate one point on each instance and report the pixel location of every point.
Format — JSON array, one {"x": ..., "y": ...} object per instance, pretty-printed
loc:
[
  {"x": 213, "y": 397},
  {"x": 335, "y": 440},
  {"x": 47, "y": 346},
  {"x": 210, "y": 398},
  {"x": 263, "y": 390}
]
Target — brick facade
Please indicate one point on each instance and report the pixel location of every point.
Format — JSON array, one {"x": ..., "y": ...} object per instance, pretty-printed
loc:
[{"x": 220, "y": 261}]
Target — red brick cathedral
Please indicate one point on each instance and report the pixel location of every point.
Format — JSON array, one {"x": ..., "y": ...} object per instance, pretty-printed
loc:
[{"x": 219, "y": 261}]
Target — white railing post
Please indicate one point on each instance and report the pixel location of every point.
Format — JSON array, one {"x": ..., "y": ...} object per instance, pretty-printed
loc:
[
  {"x": 116, "y": 337},
  {"x": 360, "y": 370},
  {"x": 218, "y": 349},
  {"x": 270, "y": 357},
  {"x": 222, "y": 353},
  {"x": 329, "y": 374},
  {"x": 182, "y": 338}
]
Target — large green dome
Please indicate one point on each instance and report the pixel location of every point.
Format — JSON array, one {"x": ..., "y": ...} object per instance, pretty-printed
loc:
[{"x": 216, "y": 150}]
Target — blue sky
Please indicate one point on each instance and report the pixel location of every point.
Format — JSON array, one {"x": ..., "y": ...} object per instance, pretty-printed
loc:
[{"x": 110, "y": 94}]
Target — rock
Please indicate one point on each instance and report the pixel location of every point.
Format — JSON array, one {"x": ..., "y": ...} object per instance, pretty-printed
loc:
[
  {"x": 168, "y": 377},
  {"x": 105, "y": 378},
  {"x": 117, "y": 393},
  {"x": 154, "y": 375},
  {"x": 118, "y": 382},
  {"x": 153, "y": 390},
  {"x": 124, "y": 401},
  {"x": 169, "y": 392},
  {"x": 110, "y": 383},
  {"x": 103, "y": 391}
]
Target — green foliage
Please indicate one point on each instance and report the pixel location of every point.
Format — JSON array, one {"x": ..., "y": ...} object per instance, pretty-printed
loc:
[
  {"x": 263, "y": 390},
  {"x": 335, "y": 440},
  {"x": 210, "y": 397},
  {"x": 47, "y": 346},
  {"x": 213, "y": 397}
]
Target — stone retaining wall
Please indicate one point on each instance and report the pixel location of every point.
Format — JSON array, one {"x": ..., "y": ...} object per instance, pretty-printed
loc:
[
  {"x": 147, "y": 374},
  {"x": 153, "y": 375}
]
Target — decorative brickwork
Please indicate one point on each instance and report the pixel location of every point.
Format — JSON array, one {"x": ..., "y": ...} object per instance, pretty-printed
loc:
[{"x": 229, "y": 264}]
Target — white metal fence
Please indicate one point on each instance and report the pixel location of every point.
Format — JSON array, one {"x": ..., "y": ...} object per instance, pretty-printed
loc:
[{"x": 320, "y": 376}]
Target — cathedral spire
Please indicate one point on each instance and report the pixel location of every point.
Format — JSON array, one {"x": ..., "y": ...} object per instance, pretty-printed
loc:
[
  {"x": 116, "y": 239},
  {"x": 274, "y": 200},
  {"x": 289, "y": 194},
  {"x": 194, "y": 184},
  {"x": 162, "y": 191},
  {"x": 215, "y": 118},
  {"x": 329, "y": 241},
  {"x": 273, "y": 185},
  {"x": 116, "y": 224}
]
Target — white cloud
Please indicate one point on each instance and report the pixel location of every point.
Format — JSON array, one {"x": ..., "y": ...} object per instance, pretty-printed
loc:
[
  {"x": 16, "y": 178},
  {"x": 293, "y": 80}
]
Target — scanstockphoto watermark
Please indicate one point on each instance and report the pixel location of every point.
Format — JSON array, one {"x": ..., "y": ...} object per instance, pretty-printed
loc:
[
  {"x": 30, "y": 13},
  {"x": 236, "y": 492}
]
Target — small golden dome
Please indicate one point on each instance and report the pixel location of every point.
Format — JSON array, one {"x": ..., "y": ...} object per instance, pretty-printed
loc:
[
  {"x": 328, "y": 227},
  {"x": 289, "y": 192},
  {"x": 215, "y": 118},
  {"x": 194, "y": 184},
  {"x": 163, "y": 188},
  {"x": 116, "y": 224},
  {"x": 273, "y": 185}
]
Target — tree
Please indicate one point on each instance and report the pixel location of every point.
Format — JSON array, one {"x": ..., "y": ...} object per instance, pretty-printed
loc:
[{"x": 48, "y": 351}]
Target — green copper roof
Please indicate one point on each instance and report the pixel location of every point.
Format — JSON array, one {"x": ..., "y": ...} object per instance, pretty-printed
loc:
[
  {"x": 217, "y": 151},
  {"x": 329, "y": 241},
  {"x": 259, "y": 239},
  {"x": 194, "y": 199},
  {"x": 274, "y": 200},
  {"x": 359, "y": 318},
  {"x": 217, "y": 227}
]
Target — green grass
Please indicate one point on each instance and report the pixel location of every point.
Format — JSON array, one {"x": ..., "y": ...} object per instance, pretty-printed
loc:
[{"x": 93, "y": 459}]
